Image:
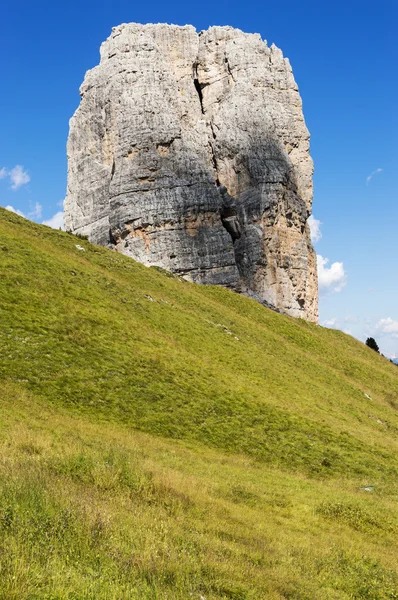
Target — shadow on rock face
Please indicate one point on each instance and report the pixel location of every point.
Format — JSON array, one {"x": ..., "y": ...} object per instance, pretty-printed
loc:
[
  {"x": 229, "y": 214},
  {"x": 248, "y": 253},
  {"x": 254, "y": 241},
  {"x": 267, "y": 195}
]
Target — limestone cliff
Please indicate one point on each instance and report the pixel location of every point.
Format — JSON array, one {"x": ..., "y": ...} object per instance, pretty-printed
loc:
[{"x": 190, "y": 151}]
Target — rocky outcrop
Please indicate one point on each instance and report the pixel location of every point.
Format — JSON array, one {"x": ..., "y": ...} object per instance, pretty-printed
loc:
[{"x": 190, "y": 151}]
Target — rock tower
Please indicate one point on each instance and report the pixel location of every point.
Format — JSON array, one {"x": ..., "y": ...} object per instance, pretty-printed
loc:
[{"x": 189, "y": 151}]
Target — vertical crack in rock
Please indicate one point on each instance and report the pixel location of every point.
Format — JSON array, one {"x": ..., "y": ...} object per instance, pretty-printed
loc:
[
  {"x": 199, "y": 92},
  {"x": 198, "y": 86},
  {"x": 163, "y": 202},
  {"x": 229, "y": 69},
  {"x": 213, "y": 153}
]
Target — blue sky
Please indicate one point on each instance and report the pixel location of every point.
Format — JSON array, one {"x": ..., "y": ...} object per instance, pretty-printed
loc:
[{"x": 344, "y": 57}]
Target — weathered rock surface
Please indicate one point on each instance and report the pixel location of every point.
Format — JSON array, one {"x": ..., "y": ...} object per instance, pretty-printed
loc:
[{"x": 166, "y": 120}]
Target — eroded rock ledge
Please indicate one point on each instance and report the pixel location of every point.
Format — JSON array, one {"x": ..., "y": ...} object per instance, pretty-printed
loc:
[{"x": 167, "y": 120}]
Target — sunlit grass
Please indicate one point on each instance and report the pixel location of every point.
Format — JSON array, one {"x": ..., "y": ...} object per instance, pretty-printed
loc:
[
  {"x": 165, "y": 440},
  {"x": 98, "y": 511}
]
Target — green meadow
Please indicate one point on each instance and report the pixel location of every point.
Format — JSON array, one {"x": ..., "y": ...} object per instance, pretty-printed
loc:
[{"x": 162, "y": 440}]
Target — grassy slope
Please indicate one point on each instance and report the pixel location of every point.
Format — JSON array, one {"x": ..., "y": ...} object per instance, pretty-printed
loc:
[{"x": 259, "y": 493}]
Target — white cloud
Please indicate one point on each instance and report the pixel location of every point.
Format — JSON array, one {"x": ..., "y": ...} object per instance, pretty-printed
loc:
[
  {"x": 315, "y": 228},
  {"x": 388, "y": 327},
  {"x": 15, "y": 210},
  {"x": 3, "y": 173},
  {"x": 373, "y": 173},
  {"x": 35, "y": 213},
  {"x": 330, "y": 322},
  {"x": 18, "y": 177},
  {"x": 331, "y": 278},
  {"x": 56, "y": 221}
]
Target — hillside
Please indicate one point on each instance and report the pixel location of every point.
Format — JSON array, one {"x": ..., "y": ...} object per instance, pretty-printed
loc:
[{"x": 164, "y": 440}]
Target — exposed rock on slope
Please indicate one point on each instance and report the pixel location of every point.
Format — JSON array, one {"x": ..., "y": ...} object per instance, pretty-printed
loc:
[{"x": 166, "y": 120}]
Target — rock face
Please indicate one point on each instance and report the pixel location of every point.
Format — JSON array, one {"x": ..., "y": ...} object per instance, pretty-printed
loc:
[{"x": 190, "y": 151}]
